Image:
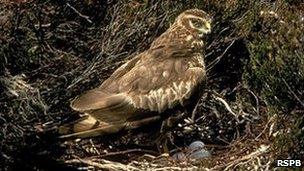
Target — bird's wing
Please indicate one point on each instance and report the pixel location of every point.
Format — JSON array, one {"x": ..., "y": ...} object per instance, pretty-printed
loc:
[
  {"x": 106, "y": 99},
  {"x": 154, "y": 84},
  {"x": 164, "y": 89},
  {"x": 106, "y": 95}
]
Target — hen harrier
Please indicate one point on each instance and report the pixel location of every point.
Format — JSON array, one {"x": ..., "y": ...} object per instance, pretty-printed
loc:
[{"x": 162, "y": 78}]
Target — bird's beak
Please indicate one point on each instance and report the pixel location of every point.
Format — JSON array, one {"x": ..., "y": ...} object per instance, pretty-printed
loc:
[
  {"x": 208, "y": 25},
  {"x": 205, "y": 30}
]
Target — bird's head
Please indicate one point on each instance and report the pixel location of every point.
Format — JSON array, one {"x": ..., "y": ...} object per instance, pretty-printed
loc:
[{"x": 195, "y": 20}]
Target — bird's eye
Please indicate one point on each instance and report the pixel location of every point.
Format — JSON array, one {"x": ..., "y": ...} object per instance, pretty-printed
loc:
[{"x": 197, "y": 23}]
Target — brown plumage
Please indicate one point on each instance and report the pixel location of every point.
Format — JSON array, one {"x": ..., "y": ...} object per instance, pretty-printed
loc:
[{"x": 159, "y": 79}]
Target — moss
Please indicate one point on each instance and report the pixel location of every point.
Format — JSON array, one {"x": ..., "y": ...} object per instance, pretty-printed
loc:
[
  {"x": 289, "y": 142},
  {"x": 276, "y": 72},
  {"x": 275, "y": 67}
]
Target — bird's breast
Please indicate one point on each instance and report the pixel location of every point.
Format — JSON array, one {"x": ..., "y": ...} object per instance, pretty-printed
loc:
[
  {"x": 197, "y": 44},
  {"x": 196, "y": 61}
]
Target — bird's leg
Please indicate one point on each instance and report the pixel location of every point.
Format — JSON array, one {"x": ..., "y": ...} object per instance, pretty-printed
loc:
[
  {"x": 165, "y": 134},
  {"x": 162, "y": 142}
]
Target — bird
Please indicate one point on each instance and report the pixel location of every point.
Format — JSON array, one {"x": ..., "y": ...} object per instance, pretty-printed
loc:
[{"x": 142, "y": 90}]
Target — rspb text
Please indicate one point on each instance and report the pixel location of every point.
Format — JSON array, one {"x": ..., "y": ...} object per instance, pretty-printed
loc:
[{"x": 288, "y": 163}]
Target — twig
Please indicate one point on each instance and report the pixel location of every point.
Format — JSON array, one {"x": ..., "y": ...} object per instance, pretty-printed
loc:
[
  {"x": 175, "y": 168},
  {"x": 227, "y": 107},
  {"x": 263, "y": 131},
  {"x": 81, "y": 15},
  {"x": 122, "y": 153},
  {"x": 245, "y": 159},
  {"x": 214, "y": 62},
  {"x": 256, "y": 100},
  {"x": 94, "y": 147},
  {"x": 258, "y": 152},
  {"x": 293, "y": 93},
  {"x": 194, "y": 111},
  {"x": 104, "y": 164}
]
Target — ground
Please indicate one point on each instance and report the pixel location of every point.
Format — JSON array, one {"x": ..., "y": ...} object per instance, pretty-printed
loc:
[{"x": 250, "y": 114}]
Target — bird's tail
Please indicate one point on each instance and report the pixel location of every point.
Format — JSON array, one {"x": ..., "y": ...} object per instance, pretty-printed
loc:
[
  {"x": 88, "y": 126},
  {"x": 83, "y": 124}
]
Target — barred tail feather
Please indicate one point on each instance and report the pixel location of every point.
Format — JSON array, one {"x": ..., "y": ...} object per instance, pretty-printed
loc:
[{"x": 88, "y": 127}]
